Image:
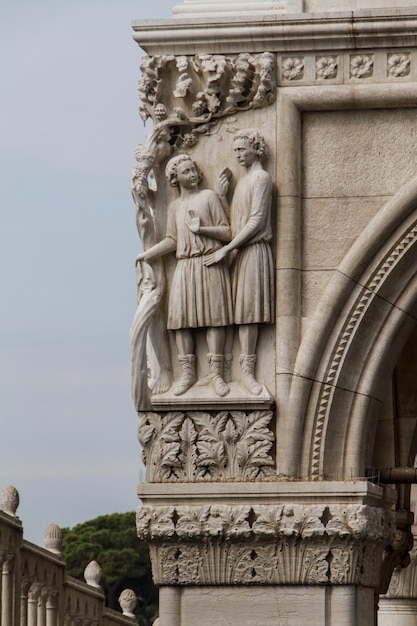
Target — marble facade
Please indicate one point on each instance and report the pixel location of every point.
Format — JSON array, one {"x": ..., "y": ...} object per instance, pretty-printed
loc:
[{"x": 271, "y": 392}]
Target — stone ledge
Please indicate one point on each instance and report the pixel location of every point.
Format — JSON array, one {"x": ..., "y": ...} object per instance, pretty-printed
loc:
[
  {"x": 266, "y": 492},
  {"x": 348, "y": 30}
]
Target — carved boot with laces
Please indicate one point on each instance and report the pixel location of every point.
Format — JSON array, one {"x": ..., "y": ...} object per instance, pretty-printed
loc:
[
  {"x": 216, "y": 374},
  {"x": 227, "y": 367},
  {"x": 247, "y": 363},
  {"x": 188, "y": 376}
]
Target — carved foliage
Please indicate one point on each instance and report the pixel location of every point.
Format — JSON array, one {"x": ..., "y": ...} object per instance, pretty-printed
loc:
[
  {"x": 195, "y": 446},
  {"x": 285, "y": 544},
  {"x": 206, "y": 85}
]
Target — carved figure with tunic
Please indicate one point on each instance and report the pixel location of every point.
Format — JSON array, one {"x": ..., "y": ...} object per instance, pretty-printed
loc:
[
  {"x": 200, "y": 295},
  {"x": 252, "y": 269}
]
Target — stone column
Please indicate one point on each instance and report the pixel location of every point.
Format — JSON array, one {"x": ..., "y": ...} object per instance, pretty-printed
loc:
[
  {"x": 398, "y": 607},
  {"x": 24, "y": 593},
  {"x": 7, "y": 561},
  {"x": 261, "y": 548},
  {"x": 52, "y": 608},
  {"x": 33, "y": 597}
]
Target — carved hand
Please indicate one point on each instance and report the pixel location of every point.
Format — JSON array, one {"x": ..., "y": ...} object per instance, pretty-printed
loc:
[
  {"x": 223, "y": 182},
  {"x": 141, "y": 257},
  {"x": 194, "y": 222},
  {"x": 216, "y": 257}
]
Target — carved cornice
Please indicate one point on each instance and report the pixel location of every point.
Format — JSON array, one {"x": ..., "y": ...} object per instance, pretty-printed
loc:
[
  {"x": 283, "y": 544},
  {"x": 350, "y": 30},
  {"x": 202, "y": 446}
]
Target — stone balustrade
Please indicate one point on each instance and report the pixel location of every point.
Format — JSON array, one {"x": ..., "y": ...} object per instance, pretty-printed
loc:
[{"x": 34, "y": 588}]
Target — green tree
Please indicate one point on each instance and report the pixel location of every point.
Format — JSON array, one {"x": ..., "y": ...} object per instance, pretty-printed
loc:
[{"x": 124, "y": 559}]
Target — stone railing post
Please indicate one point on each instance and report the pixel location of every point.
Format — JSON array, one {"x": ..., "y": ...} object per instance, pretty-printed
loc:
[
  {"x": 42, "y": 598},
  {"x": 24, "y": 595},
  {"x": 52, "y": 608},
  {"x": 7, "y": 570},
  {"x": 33, "y": 595}
]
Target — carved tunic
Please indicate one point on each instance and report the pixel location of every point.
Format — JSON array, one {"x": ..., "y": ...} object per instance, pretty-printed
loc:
[
  {"x": 199, "y": 296},
  {"x": 253, "y": 269}
]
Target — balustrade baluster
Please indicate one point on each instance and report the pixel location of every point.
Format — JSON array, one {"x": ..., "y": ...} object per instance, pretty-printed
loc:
[
  {"x": 24, "y": 590},
  {"x": 34, "y": 592},
  {"x": 42, "y": 606},
  {"x": 51, "y": 608},
  {"x": 7, "y": 590}
]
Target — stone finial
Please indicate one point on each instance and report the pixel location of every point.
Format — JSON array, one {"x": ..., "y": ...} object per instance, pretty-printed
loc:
[
  {"x": 92, "y": 574},
  {"x": 128, "y": 601},
  {"x": 10, "y": 500},
  {"x": 52, "y": 539}
]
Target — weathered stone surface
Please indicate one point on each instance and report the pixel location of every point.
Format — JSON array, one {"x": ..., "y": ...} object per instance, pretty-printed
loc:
[{"x": 325, "y": 391}]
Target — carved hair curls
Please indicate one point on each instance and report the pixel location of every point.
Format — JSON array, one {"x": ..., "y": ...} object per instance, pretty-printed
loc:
[
  {"x": 172, "y": 167},
  {"x": 255, "y": 139}
]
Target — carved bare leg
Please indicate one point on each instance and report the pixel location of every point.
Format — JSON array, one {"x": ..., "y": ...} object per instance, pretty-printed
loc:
[{"x": 159, "y": 339}]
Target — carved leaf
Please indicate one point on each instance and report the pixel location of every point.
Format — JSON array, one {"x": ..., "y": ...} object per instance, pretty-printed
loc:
[
  {"x": 210, "y": 454},
  {"x": 189, "y": 561},
  {"x": 265, "y": 564},
  {"x": 316, "y": 565},
  {"x": 231, "y": 434},
  {"x": 188, "y": 433},
  {"x": 191, "y": 522},
  {"x": 243, "y": 572},
  {"x": 340, "y": 566},
  {"x": 238, "y": 526},
  {"x": 312, "y": 525},
  {"x": 149, "y": 425},
  {"x": 162, "y": 525},
  {"x": 267, "y": 521},
  {"x": 169, "y": 454},
  {"x": 188, "y": 456}
]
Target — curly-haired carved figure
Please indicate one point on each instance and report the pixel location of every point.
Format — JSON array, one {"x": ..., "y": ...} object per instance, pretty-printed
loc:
[
  {"x": 252, "y": 268},
  {"x": 200, "y": 296}
]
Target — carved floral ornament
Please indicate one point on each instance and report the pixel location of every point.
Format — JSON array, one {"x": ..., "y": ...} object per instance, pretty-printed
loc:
[
  {"x": 398, "y": 64},
  {"x": 284, "y": 544},
  {"x": 326, "y": 67},
  {"x": 361, "y": 65},
  {"x": 332, "y": 66},
  {"x": 199, "y": 446}
]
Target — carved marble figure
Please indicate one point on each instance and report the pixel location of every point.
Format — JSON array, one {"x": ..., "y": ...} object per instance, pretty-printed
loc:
[
  {"x": 252, "y": 268},
  {"x": 148, "y": 325},
  {"x": 200, "y": 296}
]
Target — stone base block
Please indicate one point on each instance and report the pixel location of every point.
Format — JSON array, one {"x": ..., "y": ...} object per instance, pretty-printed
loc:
[
  {"x": 397, "y": 612},
  {"x": 266, "y": 606}
]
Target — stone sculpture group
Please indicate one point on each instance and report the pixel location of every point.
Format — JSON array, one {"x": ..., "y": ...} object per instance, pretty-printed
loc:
[{"x": 224, "y": 268}]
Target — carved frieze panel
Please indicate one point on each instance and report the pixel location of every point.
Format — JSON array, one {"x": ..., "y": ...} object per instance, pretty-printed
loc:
[
  {"x": 206, "y": 446},
  {"x": 342, "y": 68},
  {"x": 284, "y": 544},
  {"x": 223, "y": 274}
]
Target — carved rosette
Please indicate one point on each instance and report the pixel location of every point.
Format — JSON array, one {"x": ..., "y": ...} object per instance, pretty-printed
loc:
[
  {"x": 282, "y": 544},
  {"x": 204, "y": 446}
]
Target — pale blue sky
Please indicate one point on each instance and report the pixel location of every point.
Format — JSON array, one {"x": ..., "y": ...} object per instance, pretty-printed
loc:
[{"x": 69, "y": 125}]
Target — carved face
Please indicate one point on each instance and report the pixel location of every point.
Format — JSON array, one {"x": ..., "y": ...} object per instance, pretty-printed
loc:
[
  {"x": 244, "y": 152},
  {"x": 187, "y": 174}
]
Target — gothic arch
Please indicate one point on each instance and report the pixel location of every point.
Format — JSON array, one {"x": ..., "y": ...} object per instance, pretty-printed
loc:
[{"x": 351, "y": 346}]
